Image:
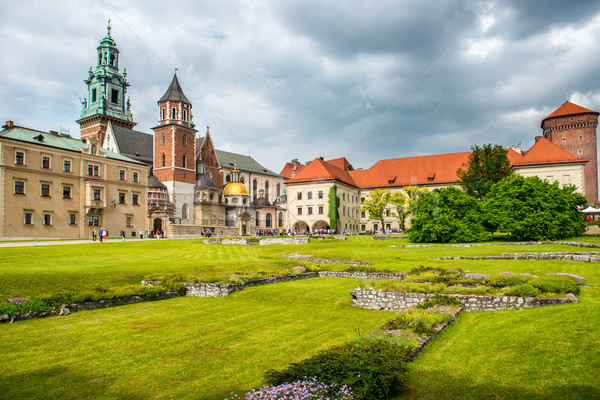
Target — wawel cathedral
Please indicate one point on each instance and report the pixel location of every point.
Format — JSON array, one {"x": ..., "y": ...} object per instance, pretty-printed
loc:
[{"x": 173, "y": 180}]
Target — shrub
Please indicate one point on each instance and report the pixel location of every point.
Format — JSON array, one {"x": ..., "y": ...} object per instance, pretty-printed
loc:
[
  {"x": 372, "y": 366},
  {"x": 556, "y": 284},
  {"x": 361, "y": 268},
  {"x": 506, "y": 279},
  {"x": 524, "y": 290},
  {"x": 579, "y": 279},
  {"x": 418, "y": 320},
  {"x": 480, "y": 290},
  {"x": 21, "y": 305},
  {"x": 441, "y": 300}
]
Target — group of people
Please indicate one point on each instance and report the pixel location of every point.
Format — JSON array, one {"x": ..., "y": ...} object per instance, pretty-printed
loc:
[{"x": 102, "y": 235}]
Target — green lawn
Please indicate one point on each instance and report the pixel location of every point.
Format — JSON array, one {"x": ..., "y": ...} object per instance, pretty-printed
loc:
[{"x": 203, "y": 348}]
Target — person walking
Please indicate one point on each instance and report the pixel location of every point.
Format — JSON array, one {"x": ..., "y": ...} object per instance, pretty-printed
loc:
[
  {"x": 94, "y": 234},
  {"x": 141, "y": 234},
  {"x": 104, "y": 235},
  {"x": 101, "y": 234}
]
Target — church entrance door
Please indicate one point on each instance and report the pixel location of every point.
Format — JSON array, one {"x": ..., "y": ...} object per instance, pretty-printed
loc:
[{"x": 157, "y": 225}]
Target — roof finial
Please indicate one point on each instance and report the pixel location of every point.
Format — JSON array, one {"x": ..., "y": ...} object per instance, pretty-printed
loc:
[
  {"x": 567, "y": 95},
  {"x": 235, "y": 161},
  {"x": 108, "y": 27},
  {"x": 176, "y": 70}
]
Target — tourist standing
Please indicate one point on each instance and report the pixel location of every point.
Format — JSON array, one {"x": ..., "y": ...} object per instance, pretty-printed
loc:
[
  {"x": 101, "y": 234},
  {"x": 94, "y": 235}
]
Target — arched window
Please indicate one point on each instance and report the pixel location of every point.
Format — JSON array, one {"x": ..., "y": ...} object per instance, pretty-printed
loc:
[
  {"x": 162, "y": 139},
  {"x": 163, "y": 159},
  {"x": 228, "y": 178},
  {"x": 278, "y": 190},
  {"x": 173, "y": 113},
  {"x": 268, "y": 221},
  {"x": 257, "y": 222},
  {"x": 162, "y": 113},
  {"x": 242, "y": 179},
  {"x": 280, "y": 222},
  {"x": 183, "y": 162},
  {"x": 184, "y": 211},
  {"x": 185, "y": 140},
  {"x": 184, "y": 115},
  {"x": 254, "y": 189},
  {"x": 267, "y": 190}
]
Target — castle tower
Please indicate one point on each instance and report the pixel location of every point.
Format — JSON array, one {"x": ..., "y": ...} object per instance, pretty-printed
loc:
[
  {"x": 573, "y": 128},
  {"x": 107, "y": 88},
  {"x": 175, "y": 149}
]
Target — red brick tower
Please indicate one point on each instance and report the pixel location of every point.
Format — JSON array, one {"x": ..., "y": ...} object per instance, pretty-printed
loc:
[
  {"x": 175, "y": 148},
  {"x": 573, "y": 128}
]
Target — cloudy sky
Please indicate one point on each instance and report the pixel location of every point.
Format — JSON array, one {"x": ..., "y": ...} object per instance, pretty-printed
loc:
[{"x": 299, "y": 79}]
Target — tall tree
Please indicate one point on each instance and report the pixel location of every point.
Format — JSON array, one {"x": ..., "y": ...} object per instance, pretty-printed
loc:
[
  {"x": 375, "y": 204},
  {"x": 534, "y": 209},
  {"x": 487, "y": 165},
  {"x": 447, "y": 215},
  {"x": 334, "y": 206},
  {"x": 400, "y": 202}
]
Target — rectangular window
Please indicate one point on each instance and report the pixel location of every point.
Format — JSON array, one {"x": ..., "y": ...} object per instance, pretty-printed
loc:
[
  {"x": 67, "y": 192},
  {"x": 47, "y": 219},
  {"x": 114, "y": 96},
  {"x": 93, "y": 170},
  {"x": 128, "y": 221},
  {"x": 72, "y": 218},
  {"x": 299, "y": 210},
  {"x": 362, "y": 214},
  {"x": 135, "y": 177},
  {"x": 121, "y": 174},
  {"x": 97, "y": 194},
  {"x": 388, "y": 213},
  {"x": 362, "y": 200},
  {"x": 19, "y": 158},
  {"x": 28, "y": 220},
  {"x": 309, "y": 195},
  {"x": 344, "y": 211},
  {"x": 363, "y": 227},
  {"x": 121, "y": 198},
  {"x": 67, "y": 166},
  {"x": 344, "y": 196},
  {"x": 320, "y": 209},
  {"x": 375, "y": 227},
  {"x": 93, "y": 220},
  {"x": 309, "y": 211},
  {"x": 320, "y": 194},
  {"x": 45, "y": 189},
  {"x": 299, "y": 195},
  {"x": 46, "y": 162},
  {"x": 94, "y": 97},
  {"x": 19, "y": 187},
  {"x": 135, "y": 199}
]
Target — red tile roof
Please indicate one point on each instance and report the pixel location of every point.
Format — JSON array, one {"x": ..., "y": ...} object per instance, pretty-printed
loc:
[
  {"x": 435, "y": 169},
  {"x": 341, "y": 163},
  {"x": 319, "y": 170},
  {"x": 546, "y": 152},
  {"x": 568, "y": 108},
  {"x": 288, "y": 170}
]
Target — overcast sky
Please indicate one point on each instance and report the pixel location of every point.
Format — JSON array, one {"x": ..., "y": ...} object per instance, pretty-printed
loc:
[{"x": 278, "y": 79}]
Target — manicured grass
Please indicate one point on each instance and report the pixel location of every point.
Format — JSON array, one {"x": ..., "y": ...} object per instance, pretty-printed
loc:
[
  {"x": 541, "y": 353},
  {"x": 33, "y": 271},
  {"x": 204, "y": 348},
  {"x": 185, "y": 348}
]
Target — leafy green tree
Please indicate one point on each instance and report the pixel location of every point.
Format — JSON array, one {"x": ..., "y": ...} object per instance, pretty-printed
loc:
[
  {"x": 534, "y": 209},
  {"x": 400, "y": 202},
  {"x": 334, "y": 208},
  {"x": 487, "y": 165},
  {"x": 412, "y": 194},
  {"x": 447, "y": 215},
  {"x": 375, "y": 204}
]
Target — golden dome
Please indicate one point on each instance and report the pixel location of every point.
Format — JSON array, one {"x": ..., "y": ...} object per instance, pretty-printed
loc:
[{"x": 235, "y": 189}]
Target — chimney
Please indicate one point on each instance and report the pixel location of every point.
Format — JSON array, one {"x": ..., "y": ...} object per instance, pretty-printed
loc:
[
  {"x": 54, "y": 133},
  {"x": 9, "y": 124},
  {"x": 321, "y": 158},
  {"x": 537, "y": 138}
]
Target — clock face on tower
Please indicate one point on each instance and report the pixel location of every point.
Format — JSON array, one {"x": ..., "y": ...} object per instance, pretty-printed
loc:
[{"x": 200, "y": 196}]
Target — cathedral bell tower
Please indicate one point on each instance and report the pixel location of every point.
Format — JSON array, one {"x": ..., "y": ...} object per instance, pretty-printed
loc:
[
  {"x": 175, "y": 148},
  {"x": 107, "y": 88}
]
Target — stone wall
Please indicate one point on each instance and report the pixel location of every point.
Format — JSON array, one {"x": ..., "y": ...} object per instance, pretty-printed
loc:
[
  {"x": 390, "y": 237},
  {"x": 585, "y": 257},
  {"x": 284, "y": 240},
  {"x": 93, "y": 305},
  {"x": 397, "y": 301},
  {"x": 363, "y": 275}
]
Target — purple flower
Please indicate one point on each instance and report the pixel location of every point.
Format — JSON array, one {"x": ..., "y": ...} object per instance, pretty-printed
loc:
[{"x": 308, "y": 389}]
